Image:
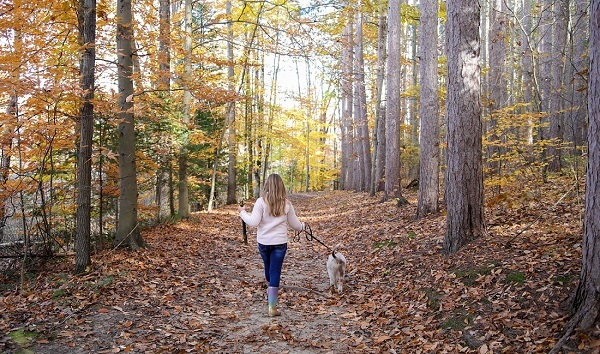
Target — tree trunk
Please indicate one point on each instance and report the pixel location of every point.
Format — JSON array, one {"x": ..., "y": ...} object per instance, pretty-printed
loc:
[
  {"x": 497, "y": 82},
  {"x": 576, "y": 126},
  {"x": 87, "y": 35},
  {"x": 586, "y": 305},
  {"x": 231, "y": 173},
  {"x": 164, "y": 84},
  {"x": 392, "y": 98},
  {"x": 464, "y": 181},
  {"x": 587, "y": 299},
  {"x": 184, "y": 197},
  {"x": 555, "y": 130},
  {"x": 379, "y": 131},
  {"x": 527, "y": 60},
  {"x": 128, "y": 231},
  {"x": 364, "y": 142},
  {"x": 5, "y": 154},
  {"x": 428, "y": 111},
  {"x": 347, "y": 93},
  {"x": 545, "y": 73}
]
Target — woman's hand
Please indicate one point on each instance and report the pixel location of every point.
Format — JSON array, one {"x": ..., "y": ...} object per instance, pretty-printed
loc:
[{"x": 240, "y": 209}]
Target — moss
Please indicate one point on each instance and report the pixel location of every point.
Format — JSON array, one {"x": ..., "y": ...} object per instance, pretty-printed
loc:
[
  {"x": 23, "y": 339},
  {"x": 388, "y": 243},
  {"x": 457, "y": 322},
  {"x": 518, "y": 277}
]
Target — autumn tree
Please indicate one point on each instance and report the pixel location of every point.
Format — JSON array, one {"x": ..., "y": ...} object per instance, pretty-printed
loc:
[
  {"x": 231, "y": 138},
  {"x": 86, "y": 14},
  {"x": 464, "y": 176},
  {"x": 363, "y": 182},
  {"x": 586, "y": 303},
  {"x": 347, "y": 94},
  {"x": 128, "y": 230},
  {"x": 393, "y": 103},
  {"x": 428, "y": 111},
  {"x": 378, "y": 168},
  {"x": 164, "y": 187},
  {"x": 184, "y": 202}
]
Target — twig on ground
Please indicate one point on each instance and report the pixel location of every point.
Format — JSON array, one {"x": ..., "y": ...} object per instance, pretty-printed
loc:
[{"x": 539, "y": 217}]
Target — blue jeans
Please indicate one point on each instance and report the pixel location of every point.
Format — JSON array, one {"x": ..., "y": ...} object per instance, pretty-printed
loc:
[{"x": 272, "y": 256}]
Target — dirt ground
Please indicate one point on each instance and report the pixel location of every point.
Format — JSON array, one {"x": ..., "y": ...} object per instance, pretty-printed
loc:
[{"x": 199, "y": 288}]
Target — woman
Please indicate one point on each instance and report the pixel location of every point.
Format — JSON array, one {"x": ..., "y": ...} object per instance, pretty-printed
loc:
[{"x": 272, "y": 213}]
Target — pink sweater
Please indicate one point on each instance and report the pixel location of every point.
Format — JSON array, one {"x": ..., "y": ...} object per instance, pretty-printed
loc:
[{"x": 272, "y": 230}]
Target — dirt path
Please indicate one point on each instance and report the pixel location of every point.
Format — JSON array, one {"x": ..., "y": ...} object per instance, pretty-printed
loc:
[{"x": 198, "y": 288}]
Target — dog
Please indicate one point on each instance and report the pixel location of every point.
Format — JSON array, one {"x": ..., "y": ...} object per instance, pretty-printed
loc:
[{"x": 336, "y": 268}]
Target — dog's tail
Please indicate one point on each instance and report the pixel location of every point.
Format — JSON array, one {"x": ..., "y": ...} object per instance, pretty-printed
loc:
[{"x": 334, "y": 249}]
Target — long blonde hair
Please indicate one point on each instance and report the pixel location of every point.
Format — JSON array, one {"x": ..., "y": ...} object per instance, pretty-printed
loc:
[{"x": 274, "y": 194}]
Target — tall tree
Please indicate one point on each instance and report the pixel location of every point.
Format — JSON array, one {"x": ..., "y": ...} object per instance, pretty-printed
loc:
[
  {"x": 497, "y": 82},
  {"x": 347, "y": 93},
  {"x": 576, "y": 121},
  {"x": 164, "y": 188},
  {"x": 378, "y": 167},
  {"x": 526, "y": 52},
  {"x": 86, "y": 14},
  {"x": 184, "y": 198},
  {"x": 362, "y": 125},
  {"x": 559, "y": 40},
  {"x": 428, "y": 111},
  {"x": 231, "y": 175},
  {"x": 586, "y": 303},
  {"x": 128, "y": 231},
  {"x": 464, "y": 176},
  {"x": 392, "y": 101}
]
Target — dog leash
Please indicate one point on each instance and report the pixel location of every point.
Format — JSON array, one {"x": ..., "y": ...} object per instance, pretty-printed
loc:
[{"x": 309, "y": 236}]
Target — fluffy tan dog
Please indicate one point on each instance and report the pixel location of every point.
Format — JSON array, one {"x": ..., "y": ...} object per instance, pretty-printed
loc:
[{"x": 336, "y": 268}]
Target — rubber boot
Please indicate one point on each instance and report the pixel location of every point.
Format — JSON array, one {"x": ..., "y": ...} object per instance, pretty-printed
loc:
[{"x": 272, "y": 300}]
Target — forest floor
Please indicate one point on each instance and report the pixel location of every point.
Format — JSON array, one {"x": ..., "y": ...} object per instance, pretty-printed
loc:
[{"x": 199, "y": 288}]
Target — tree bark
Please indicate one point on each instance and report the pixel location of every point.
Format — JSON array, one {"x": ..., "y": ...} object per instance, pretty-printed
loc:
[
  {"x": 393, "y": 110},
  {"x": 379, "y": 131},
  {"x": 464, "y": 178},
  {"x": 587, "y": 299},
  {"x": 347, "y": 93},
  {"x": 364, "y": 143},
  {"x": 497, "y": 82},
  {"x": 586, "y": 305},
  {"x": 86, "y": 13},
  {"x": 576, "y": 128},
  {"x": 128, "y": 231},
  {"x": 428, "y": 111},
  {"x": 163, "y": 187},
  {"x": 184, "y": 197},
  {"x": 556, "y": 128},
  {"x": 231, "y": 140}
]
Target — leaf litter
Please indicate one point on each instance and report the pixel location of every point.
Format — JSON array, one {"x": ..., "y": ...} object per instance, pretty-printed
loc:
[{"x": 199, "y": 288}]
